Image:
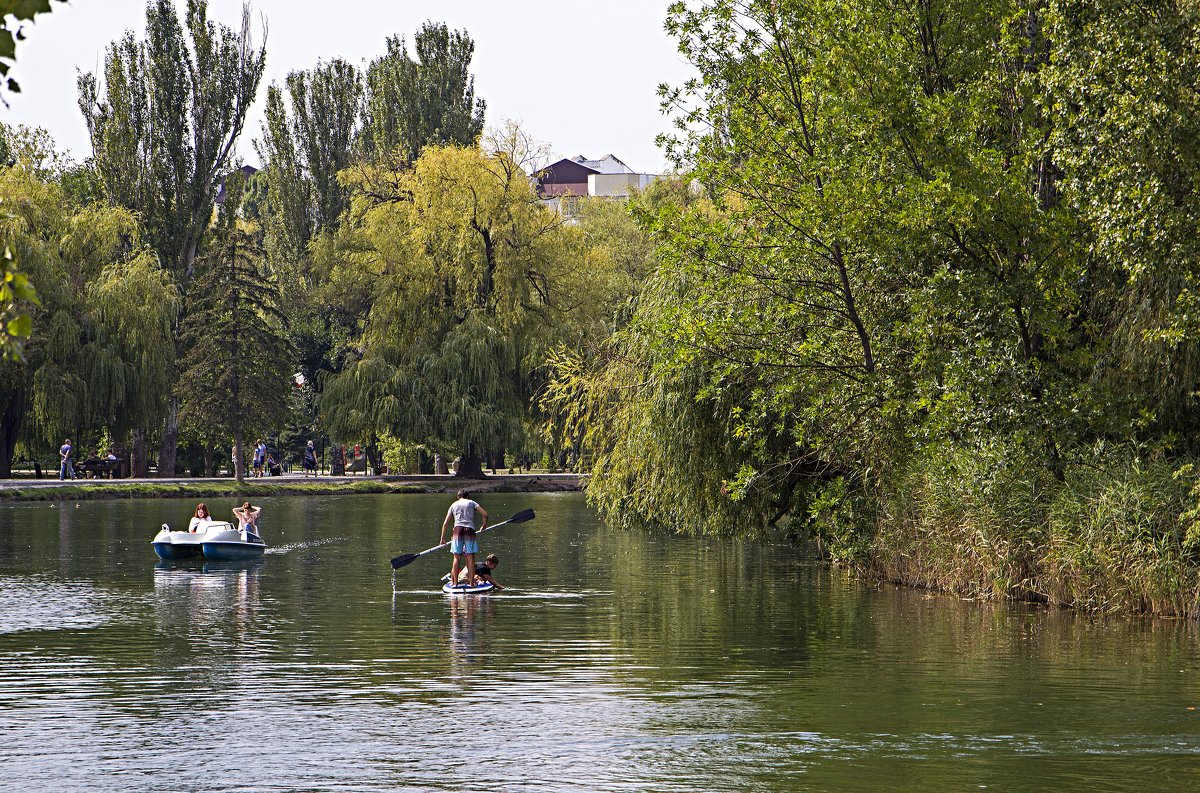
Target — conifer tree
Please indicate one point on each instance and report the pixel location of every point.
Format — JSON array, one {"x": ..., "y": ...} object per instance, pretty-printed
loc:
[{"x": 235, "y": 375}]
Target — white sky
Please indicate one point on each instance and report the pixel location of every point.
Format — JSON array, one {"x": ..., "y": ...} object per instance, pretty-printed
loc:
[{"x": 580, "y": 76}]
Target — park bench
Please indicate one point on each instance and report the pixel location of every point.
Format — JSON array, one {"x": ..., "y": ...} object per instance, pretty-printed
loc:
[{"x": 99, "y": 469}]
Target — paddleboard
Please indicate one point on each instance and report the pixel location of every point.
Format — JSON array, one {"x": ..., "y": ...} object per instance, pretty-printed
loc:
[{"x": 465, "y": 589}]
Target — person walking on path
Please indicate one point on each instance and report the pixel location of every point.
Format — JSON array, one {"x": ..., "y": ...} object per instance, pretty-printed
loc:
[
  {"x": 310, "y": 459},
  {"x": 65, "y": 469},
  {"x": 463, "y": 544},
  {"x": 260, "y": 455}
]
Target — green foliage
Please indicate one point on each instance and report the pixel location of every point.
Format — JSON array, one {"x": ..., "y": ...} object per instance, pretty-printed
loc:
[
  {"x": 163, "y": 123},
  {"x": 165, "y": 118},
  {"x": 99, "y": 349},
  {"x": 470, "y": 281},
  {"x": 235, "y": 377},
  {"x": 943, "y": 253},
  {"x": 304, "y": 149},
  {"x": 424, "y": 101}
]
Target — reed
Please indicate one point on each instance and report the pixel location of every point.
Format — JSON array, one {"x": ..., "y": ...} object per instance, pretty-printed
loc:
[{"x": 993, "y": 524}]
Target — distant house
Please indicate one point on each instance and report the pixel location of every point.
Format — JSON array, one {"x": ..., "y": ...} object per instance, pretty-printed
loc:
[
  {"x": 247, "y": 171},
  {"x": 579, "y": 176}
]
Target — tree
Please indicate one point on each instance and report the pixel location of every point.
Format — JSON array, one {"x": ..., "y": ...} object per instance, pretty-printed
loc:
[
  {"x": 884, "y": 266},
  {"x": 471, "y": 280},
  {"x": 304, "y": 150},
  {"x": 235, "y": 377},
  {"x": 1125, "y": 105},
  {"x": 100, "y": 352},
  {"x": 431, "y": 100},
  {"x": 163, "y": 126}
]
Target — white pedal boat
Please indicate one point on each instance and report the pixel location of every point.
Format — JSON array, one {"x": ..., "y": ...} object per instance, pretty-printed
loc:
[
  {"x": 232, "y": 544},
  {"x": 169, "y": 544}
]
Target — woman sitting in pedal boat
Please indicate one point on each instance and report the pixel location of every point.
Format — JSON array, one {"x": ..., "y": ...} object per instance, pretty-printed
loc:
[
  {"x": 200, "y": 520},
  {"x": 247, "y": 517}
]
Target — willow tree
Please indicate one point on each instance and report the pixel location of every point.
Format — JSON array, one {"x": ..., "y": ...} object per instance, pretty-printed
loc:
[
  {"x": 884, "y": 267},
  {"x": 99, "y": 357},
  {"x": 470, "y": 278},
  {"x": 427, "y": 100},
  {"x": 236, "y": 375},
  {"x": 163, "y": 122}
]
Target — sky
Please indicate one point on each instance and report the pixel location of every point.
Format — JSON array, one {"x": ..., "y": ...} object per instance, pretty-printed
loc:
[{"x": 578, "y": 75}]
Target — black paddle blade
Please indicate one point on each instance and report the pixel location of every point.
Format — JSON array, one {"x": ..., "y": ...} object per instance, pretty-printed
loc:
[
  {"x": 521, "y": 517},
  {"x": 404, "y": 559}
]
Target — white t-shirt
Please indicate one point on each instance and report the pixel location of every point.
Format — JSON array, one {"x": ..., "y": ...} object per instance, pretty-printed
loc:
[
  {"x": 199, "y": 525},
  {"x": 463, "y": 511}
]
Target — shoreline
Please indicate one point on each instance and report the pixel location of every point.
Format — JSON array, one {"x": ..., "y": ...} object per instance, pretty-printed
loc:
[{"x": 16, "y": 490}]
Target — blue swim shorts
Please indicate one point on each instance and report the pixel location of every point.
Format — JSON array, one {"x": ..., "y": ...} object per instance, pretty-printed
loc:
[{"x": 464, "y": 545}]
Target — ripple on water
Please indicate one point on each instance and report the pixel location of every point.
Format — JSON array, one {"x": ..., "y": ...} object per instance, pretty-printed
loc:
[
  {"x": 299, "y": 546},
  {"x": 41, "y": 603}
]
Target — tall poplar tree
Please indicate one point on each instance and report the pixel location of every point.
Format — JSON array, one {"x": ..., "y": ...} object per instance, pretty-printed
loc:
[
  {"x": 163, "y": 123},
  {"x": 427, "y": 100},
  {"x": 306, "y": 141}
]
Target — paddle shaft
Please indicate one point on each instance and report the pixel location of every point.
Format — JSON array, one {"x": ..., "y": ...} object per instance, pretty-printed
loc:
[{"x": 409, "y": 558}]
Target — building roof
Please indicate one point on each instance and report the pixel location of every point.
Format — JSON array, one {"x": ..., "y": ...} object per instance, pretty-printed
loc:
[
  {"x": 247, "y": 171},
  {"x": 606, "y": 164}
]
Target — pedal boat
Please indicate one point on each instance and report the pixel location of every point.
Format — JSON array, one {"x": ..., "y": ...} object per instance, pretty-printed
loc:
[
  {"x": 232, "y": 544},
  {"x": 171, "y": 545}
]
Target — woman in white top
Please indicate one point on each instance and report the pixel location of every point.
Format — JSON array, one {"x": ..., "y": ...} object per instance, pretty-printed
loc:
[
  {"x": 247, "y": 517},
  {"x": 200, "y": 520}
]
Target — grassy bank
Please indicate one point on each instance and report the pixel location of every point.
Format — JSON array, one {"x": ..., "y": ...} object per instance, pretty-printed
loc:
[
  {"x": 1113, "y": 538},
  {"x": 258, "y": 488}
]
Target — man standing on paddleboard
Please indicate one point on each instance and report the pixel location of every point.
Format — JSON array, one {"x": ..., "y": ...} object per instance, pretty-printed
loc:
[{"x": 461, "y": 515}]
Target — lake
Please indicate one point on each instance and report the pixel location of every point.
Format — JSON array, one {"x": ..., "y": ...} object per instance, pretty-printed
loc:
[{"x": 613, "y": 661}]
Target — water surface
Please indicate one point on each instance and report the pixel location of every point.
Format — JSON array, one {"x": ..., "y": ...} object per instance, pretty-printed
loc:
[{"x": 615, "y": 661}]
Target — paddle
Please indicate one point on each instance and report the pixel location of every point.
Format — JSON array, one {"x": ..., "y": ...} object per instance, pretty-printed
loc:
[{"x": 409, "y": 558}]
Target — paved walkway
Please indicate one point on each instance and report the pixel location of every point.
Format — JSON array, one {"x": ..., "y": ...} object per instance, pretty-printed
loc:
[{"x": 296, "y": 478}]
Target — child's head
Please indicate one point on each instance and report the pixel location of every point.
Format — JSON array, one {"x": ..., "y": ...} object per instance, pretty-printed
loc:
[
  {"x": 492, "y": 560},
  {"x": 464, "y": 494}
]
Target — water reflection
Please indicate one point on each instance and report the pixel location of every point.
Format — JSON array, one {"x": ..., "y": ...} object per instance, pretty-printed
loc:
[
  {"x": 612, "y": 660},
  {"x": 470, "y": 618}
]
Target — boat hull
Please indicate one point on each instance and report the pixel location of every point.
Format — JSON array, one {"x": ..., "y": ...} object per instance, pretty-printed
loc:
[
  {"x": 172, "y": 551},
  {"x": 173, "y": 545},
  {"x": 233, "y": 545}
]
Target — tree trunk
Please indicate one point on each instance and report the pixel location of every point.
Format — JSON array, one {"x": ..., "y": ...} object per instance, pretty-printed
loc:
[
  {"x": 10, "y": 428},
  {"x": 470, "y": 464},
  {"x": 208, "y": 459},
  {"x": 170, "y": 441},
  {"x": 372, "y": 451},
  {"x": 239, "y": 469},
  {"x": 138, "y": 462}
]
